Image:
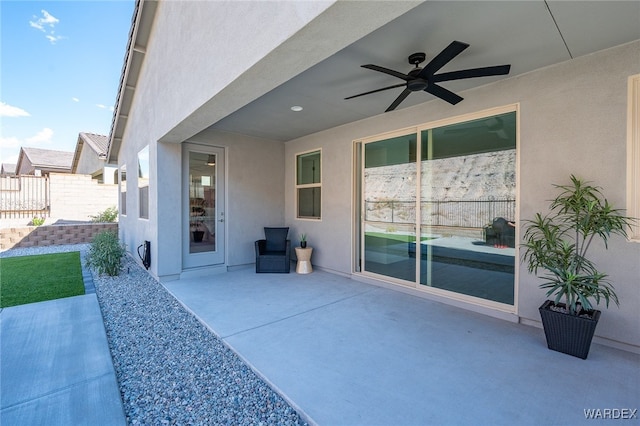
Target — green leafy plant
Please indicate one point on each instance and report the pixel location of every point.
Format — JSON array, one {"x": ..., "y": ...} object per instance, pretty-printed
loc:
[
  {"x": 303, "y": 238},
  {"x": 105, "y": 253},
  {"x": 109, "y": 215},
  {"x": 37, "y": 221},
  {"x": 558, "y": 242}
]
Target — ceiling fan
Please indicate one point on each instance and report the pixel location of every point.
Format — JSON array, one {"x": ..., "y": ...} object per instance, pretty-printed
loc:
[{"x": 425, "y": 79}]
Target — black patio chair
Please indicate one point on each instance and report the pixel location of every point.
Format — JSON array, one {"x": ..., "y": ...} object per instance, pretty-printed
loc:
[
  {"x": 505, "y": 232},
  {"x": 273, "y": 253}
]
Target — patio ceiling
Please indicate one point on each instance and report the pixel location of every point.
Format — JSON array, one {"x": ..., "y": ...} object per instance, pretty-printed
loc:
[{"x": 526, "y": 34}]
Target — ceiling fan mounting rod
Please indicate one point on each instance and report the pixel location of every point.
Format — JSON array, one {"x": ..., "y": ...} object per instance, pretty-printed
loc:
[{"x": 417, "y": 58}]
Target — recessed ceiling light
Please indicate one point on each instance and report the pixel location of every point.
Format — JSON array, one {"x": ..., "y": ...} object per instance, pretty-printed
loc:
[{"x": 296, "y": 108}]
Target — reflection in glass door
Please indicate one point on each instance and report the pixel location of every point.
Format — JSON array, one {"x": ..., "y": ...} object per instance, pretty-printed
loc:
[
  {"x": 467, "y": 205},
  {"x": 202, "y": 202},
  {"x": 456, "y": 184},
  {"x": 203, "y": 205},
  {"x": 389, "y": 200}
]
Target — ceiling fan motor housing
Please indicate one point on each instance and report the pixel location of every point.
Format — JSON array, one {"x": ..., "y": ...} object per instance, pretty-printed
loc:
[{"x": 417, "y": 84}]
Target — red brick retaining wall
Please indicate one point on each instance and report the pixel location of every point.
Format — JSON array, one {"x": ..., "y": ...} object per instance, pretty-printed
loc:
[{"x": 48, "y": 235}]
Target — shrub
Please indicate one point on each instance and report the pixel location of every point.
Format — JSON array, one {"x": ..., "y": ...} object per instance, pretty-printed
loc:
[
  {"x": 37, "y": 221},
  {"x": 108, "y": 216},
  {"x": 106, "y": 252}
]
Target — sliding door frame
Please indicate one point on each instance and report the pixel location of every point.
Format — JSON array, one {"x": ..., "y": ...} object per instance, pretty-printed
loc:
[{"x": 358, "y": 251}]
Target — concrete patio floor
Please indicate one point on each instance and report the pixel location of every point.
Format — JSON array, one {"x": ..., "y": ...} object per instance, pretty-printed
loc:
[{"x": 348, "y": 353}]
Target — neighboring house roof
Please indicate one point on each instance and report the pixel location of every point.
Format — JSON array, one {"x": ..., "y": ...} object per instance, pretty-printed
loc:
[
  {"x": 98, "y": 143},
  {"x": 45, "y": 159},
  {"x": 8, "y": 169}
]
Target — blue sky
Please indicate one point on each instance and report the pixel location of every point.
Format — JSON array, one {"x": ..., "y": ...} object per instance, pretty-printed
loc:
[{"x": 60, "y": 65}]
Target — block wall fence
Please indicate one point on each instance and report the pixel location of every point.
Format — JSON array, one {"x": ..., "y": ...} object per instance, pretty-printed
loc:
[
  {"x": 78, "y": 197},
  {"x": 49, "y": 235}
]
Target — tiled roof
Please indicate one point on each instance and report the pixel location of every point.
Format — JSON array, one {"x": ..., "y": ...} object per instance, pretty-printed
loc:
[
  {"x": 48, "y": 158},
  {"x": 97, "y": 142},
  {"x": 9, "y": 169}
]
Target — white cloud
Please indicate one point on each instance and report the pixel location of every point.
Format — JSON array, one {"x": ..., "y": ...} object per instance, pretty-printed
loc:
[
  {"x": 11, "y": 142},
  {"x": 74, "y": 99},
  {"x": 12, "y": 159},
  {"x": 46, "y": 19},
  {"x": 42, "y": 137},
  {"x": 53, "y": 38},
  {"x": 10, "y": 146},
  {"x": 46, "y": 24},
  {"x": 7, "y": 110},
  {"x": 102, "y": 106}
]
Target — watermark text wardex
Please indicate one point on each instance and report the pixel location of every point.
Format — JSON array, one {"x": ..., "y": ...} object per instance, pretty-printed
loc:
[{"x": 611, "y": 413}]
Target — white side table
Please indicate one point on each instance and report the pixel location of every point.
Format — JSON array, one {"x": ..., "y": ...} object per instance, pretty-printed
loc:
[{"x": 304, "y": 260}]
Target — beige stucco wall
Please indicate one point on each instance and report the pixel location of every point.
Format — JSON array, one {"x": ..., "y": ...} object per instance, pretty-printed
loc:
[
  {"x": 180, "y": 74},
  {"x": 189, "y": 81},
  {"x": 573, "y": 119},
  {"x": 255, "y": 195},
  {"x": 88, "y": 163},
  {"x": 206, "y": 65},
  {"x": 26, "y": 168}
]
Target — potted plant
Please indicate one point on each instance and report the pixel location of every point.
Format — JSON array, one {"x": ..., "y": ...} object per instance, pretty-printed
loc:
[
  {"x": 558, "y": 243},
  {"x": 303, "y": 240},
  {"x": 196, "y": 230}
]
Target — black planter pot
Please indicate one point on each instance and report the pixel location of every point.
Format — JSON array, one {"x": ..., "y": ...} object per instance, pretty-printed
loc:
[
  {"x": 303, "y": 244},
  {"x": 197, "y": 236},
  {"x": 566, "y": 333}
]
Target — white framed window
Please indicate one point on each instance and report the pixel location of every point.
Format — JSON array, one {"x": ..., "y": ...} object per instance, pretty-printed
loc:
[
  {"x": 633, "y": 156},
  {"x": 123, "y": 190},
  {"x": 309, "y": 185},
  {"x": 143, "y": 183}
]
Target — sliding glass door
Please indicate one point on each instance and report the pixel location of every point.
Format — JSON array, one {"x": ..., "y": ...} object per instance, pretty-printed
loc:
[
  {"x": 389, "y": 196},
  {"x": 438, "y": 207}
]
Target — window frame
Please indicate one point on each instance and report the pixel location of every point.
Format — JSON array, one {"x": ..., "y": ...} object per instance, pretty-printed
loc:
[
  {"x": 359, "y": 212},
  {"x": 143, "y": 183},
  {"x": 122, "y": 182},
  {"x": 633, "y": 156},
  {"x": 299, "y": 186}
]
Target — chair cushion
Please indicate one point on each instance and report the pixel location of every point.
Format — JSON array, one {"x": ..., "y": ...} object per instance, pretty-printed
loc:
[{"x": 276, "y": 239}]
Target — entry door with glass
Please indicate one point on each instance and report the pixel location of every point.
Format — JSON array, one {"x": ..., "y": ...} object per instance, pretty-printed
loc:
[{"x": 203, "y": 206}]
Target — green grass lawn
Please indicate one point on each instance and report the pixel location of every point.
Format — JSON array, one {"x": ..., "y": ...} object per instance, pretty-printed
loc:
[
  {"x": 29, "y": 279},
  {"x": 380, "y": 239}
]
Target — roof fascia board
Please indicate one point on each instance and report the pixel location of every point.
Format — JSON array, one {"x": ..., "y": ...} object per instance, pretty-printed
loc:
[
  {"x": 141, "y": 24},
  {"x": 76, "y": 154}
]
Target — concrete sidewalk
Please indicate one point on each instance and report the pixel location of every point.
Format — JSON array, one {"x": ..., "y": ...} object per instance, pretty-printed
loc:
[
  {"x": 56, "y": 368},
  {"x": 349, "y": 353}
]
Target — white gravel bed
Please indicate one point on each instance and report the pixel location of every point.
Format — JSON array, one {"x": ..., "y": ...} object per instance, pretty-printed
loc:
[{"x": 29, "y": 251}]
